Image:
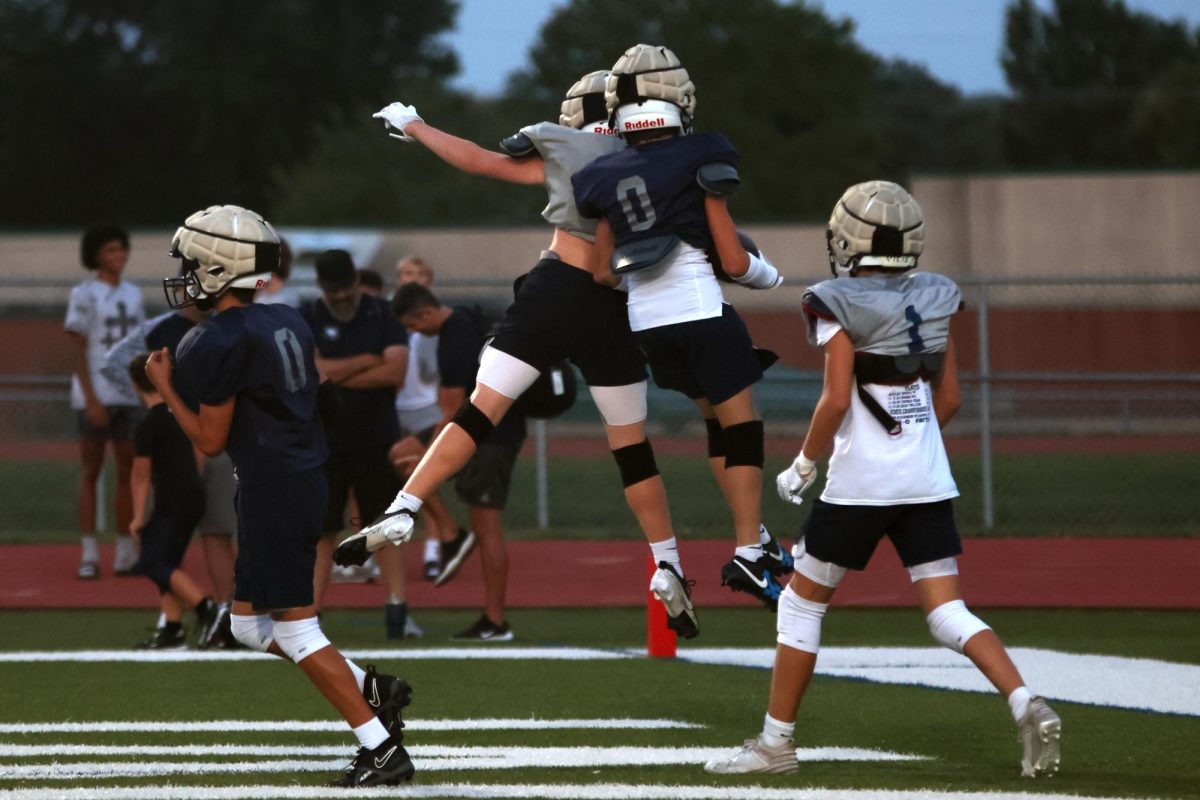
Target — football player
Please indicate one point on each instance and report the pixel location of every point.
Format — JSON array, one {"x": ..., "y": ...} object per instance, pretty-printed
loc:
[
  {"x": 559, "y": 311},
  {"x": 246, "y": 381},
  {"x": 661, "y": 207},
  {"x": 891, "y": 384}
]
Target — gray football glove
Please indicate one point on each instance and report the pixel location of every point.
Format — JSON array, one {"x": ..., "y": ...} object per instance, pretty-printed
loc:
[
  {"x": 396, "y": 117},
  {"x": 794, "y": 481}
]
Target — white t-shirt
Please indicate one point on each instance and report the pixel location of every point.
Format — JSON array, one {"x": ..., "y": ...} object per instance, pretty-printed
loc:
[
  {"x": 869, "y": 467},
  {"x": 683, "y": 290},
  {"x": 421, "y": 380},
  {"x": 103, "y": 314}
]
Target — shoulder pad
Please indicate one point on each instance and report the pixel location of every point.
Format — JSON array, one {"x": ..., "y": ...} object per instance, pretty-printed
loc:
[
  {"x": 718, "y": 178},
  {"x": 814, "y": 306},
  {"x": 518, "y": 145}
]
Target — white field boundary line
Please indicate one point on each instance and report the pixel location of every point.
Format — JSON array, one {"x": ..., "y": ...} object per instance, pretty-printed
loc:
[
  {"x": 468, "y": 791},
  {"x": 322, "y": 726},
  {"x": 1112, "y": 681},
  {"x": 490, "y": 758}
]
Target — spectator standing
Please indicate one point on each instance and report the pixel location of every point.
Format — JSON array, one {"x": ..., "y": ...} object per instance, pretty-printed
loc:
[
  {"x": 100, "y": 312},
  {"x": 362, "y": 349}
]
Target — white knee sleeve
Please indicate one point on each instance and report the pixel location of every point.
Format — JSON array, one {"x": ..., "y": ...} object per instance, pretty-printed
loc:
[
  {"x": 815, "y": 569},
  {"x": 798, "y": 622},
  {"x": 508, "y": 375},
  {"x": 620, "y": 405},
  {"x": 300, "y": 638},
  {"x": 953, "y": 625},
  {"x": 253, "y": 630},
  {"x": 941, "y": 568}
]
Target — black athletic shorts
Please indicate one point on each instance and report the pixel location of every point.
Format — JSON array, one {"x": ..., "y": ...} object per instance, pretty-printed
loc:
[
  {"x": 847, "y": 535},
  {"x": 369, "y": 472},
  {"x": 711, "y": 358},
  {"x": 561, "y": 312},
  {"x": 164, "y": 540},
  {"x": 279, "y": 524},
  {"x": 485, "y": 480},
  {"x": 121, "y": 422}
]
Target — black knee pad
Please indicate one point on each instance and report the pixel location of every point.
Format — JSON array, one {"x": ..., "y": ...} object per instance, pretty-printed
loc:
[
  {"x": 716, "y": 439},
  {"x": 474, "y": 422},
  {"x": 744, "y": 444},
  {"x": 636, "y": 463}
]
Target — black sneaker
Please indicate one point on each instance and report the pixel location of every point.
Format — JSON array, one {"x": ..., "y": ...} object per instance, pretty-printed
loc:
[
  {"x": 753, "y": 578},
  {"x": 395, "y": 619},
  {"x": 454, "y": 553},
  {"x": 386, "y": 765},
  {"x": 387, "y": 696},
  {"x": 431, "y": 570},
  {"x": 172, "y": 637},
  {"x": 779, "y": 559},
  {"x": 676, "y": 596},
  {"x": 484, "y": 630},
  {"x": 208, "y": 619}
]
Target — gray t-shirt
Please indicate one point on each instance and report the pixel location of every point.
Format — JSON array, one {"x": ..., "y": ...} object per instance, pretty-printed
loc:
[{"x": 564, "y": 151}]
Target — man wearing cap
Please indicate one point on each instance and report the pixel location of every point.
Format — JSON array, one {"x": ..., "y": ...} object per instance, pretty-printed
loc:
[{"x": 363, "y": 350}]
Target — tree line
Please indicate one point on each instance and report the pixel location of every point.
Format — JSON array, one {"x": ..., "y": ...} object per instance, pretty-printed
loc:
[{"x": 143, "y": 111}]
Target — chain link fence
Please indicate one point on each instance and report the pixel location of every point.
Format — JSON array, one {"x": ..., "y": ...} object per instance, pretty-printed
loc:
[{"x": 1081, "y": 416}]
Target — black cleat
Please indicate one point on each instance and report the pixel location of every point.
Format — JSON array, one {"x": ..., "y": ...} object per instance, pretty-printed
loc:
[
  {"x": 454, "y": 553},
  {"x": 779, "y": 560},
  {"x": 386, "y": 765},
  {"x": 387, "y": 696},
  {"x": 676, "y": 596},
  {"x": 753, "y": 578},
  {"x": 173, "y": 638},
  {"x": 208, "y": 622}
]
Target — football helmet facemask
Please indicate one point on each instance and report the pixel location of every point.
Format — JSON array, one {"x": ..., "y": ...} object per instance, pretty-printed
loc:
[
  {"x": 583, "y": 108},
  {"x": 222, "y": 247},
  {"x": 648, "y": 89},
  {"x": 876, "y": 224}
]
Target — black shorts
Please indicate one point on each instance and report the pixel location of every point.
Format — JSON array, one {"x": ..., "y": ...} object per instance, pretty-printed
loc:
[
  {"x": 561, "y": 312},
  {"x": 847, "y": 535},
  {"x": 121, "y": 422},
  {"x": 279, "y": 524},
  {"x": 485, "y": 480},
  {"x": 710, "y": 358},
  {"x": 164, "y": 540},
  {"x": 369, "y": 472}
]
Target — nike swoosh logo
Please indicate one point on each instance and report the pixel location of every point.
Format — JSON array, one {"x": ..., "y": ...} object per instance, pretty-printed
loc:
[
  {"x": 759, "y": 582},
  {"x": 374, "y": 698},
  {"x": 379, "y": 762}
]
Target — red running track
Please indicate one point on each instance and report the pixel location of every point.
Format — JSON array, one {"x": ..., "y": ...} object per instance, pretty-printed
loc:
[{"x": 1060, "y": 573}]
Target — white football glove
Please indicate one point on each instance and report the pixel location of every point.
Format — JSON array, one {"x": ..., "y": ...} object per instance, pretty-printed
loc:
[
  {"x": 397, "y": 116},
  {"x": 794, "y": 481}
]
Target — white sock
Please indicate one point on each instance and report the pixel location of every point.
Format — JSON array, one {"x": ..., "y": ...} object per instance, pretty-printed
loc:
[
  {"x": 371, "y": 734},
  {"x": 360, "y": 675},
  {"x": 433, "y": 549},
  {"x": 124, "y": 546},
  {"x": 406, "y": 501},
  {"x": 776, "y": 733},
  {"x": 750, "y": 552},
  {"x": 1018, "y": 701},
  {"x": 764, "y": 536},
  {"x": 91, "y": 550},
  {"x": 667, "y": 550}
]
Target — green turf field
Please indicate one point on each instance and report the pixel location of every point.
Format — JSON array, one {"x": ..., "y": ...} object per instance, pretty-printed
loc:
[
  {"x": 1035, "y": 495},
  {"x": 965, "y": 741}
]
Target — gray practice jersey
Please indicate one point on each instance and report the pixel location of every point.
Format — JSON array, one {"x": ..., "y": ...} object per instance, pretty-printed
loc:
[{"x": 564, "y": 151}]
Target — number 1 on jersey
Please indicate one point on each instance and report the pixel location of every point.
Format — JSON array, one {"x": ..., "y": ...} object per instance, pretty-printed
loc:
[{"x": 293, "y": 359}]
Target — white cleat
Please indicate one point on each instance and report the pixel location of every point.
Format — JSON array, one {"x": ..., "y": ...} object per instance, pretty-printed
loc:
[
  {"x": 676, "y": 597},
  {"x": 1040, "y": 735},
  {"x": 393, "y": 527},
  {"x": 756, "y": 757}
]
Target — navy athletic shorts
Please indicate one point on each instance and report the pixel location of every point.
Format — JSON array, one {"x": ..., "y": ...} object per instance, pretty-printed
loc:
[
  {"x": 847, "y": 535},
  {"x": 711, "y": 358},
  {"x": 279, "y": 524}
]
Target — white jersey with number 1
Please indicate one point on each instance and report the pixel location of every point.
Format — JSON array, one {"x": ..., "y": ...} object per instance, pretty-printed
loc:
[{"x": 103, "y": 314}]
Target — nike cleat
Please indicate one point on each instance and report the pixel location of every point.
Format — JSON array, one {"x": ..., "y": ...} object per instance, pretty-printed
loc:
[
  {"x": 779, "y": 559},
  {"x": 676, "y": 596},
  {"x": 392, "y": 527},
  {"x": 753, "y": 578},
  {"x": 386, "y": 765},
  {"x": 1040, "y": 734},
  {"x": 387, "y": 696}
]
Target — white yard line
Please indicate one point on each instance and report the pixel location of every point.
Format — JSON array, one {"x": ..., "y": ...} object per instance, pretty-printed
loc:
[
  {"x": 590, "y": 791},
  {"x": 297, "y": 726}
]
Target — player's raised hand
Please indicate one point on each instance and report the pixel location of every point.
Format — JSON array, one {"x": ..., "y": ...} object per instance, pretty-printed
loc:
[
  {"x": 794, "y": 481},
  {"x": 396, "y": 117}
]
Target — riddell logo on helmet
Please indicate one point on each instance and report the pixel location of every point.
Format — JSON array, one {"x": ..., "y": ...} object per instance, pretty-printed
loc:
[{"x": 661, "y": 122}]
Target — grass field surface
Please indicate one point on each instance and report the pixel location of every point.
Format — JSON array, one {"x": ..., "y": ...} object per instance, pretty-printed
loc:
[{"x": 572, "y": 710}]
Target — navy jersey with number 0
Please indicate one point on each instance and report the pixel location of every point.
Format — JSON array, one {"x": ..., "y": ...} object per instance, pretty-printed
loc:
[
  {"x": 651, "y": 189},
  {"x": 261, "y": 355}
]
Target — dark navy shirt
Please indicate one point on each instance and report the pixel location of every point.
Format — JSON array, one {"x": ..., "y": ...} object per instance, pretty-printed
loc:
[
  {"x": 651, "y": 190},
  {"x": 366, "y": 417},
  {"x": 261, "y": 355},
  {"x": 178, "y": 487},
  {"x": 459, "y": 343}
]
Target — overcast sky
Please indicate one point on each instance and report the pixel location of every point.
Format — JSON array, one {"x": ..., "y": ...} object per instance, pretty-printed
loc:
[{"x": 956, "y": 40}]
